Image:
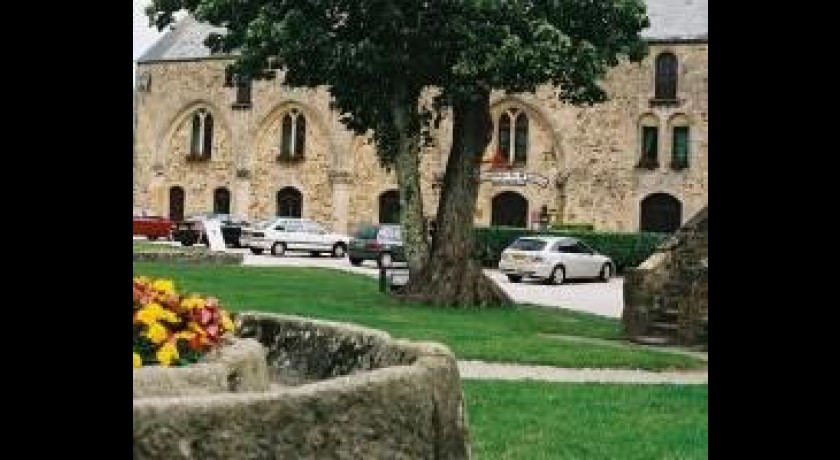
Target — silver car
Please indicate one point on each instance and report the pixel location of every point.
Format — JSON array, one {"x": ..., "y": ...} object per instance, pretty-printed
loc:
[{"x": 553, "y": 259}]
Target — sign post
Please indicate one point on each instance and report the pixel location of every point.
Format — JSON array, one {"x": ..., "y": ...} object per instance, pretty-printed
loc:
[{"x": 213, "y": 230}]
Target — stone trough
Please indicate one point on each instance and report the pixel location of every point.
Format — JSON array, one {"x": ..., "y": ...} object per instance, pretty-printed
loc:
[{"x": 304, "y": 389}]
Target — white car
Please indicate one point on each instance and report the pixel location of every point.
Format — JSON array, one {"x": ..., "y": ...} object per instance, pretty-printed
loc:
[
  {"x": 553, "y": 259},
  {"x": 293, "y": 234}
]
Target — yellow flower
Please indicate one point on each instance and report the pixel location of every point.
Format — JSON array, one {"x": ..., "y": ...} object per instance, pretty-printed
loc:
[
  {"x": 227, "y": 324},
  {"x": 138, "y": 362},
  {"x": 185, "y": 335},
  {"x": 167, "y": 353},
  {"x": 192, "y": 302},
  {"x": 164, "y": 286},
  {"x": 157, "y": 333}
]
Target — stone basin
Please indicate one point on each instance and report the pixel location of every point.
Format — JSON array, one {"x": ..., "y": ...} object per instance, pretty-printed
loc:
[{"x": 335, "y": 391}]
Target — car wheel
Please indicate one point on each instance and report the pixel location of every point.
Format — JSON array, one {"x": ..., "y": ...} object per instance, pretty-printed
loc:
[
  {"x": 151, "y": 237},
  {"x": 385, "y": 260},
  {"x": 339, "y": 251},
  {"x": 558, "y": 275},
  {"x": 606, "y": 273},
  {"x": 314, "y": 253},
  {"x": 278, "y": 249},
  {"x": 355, "y": 262},
  {"x": 256, "y": 251},
  {"x": 514, "y": 278}
]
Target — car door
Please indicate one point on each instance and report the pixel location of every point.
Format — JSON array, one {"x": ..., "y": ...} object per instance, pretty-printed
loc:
[
  {"x": 316, "y": 237},
  {"x": 589, "y": 263},
  {"x": 294, "y": 236},
  {"x": 570, "y": 258}
]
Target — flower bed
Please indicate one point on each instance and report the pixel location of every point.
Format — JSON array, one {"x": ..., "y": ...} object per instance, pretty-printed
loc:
[{"x": 175, "y": 330}]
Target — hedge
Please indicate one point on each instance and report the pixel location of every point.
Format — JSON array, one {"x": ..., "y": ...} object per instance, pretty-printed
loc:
[{"x": 625, "y": 249}]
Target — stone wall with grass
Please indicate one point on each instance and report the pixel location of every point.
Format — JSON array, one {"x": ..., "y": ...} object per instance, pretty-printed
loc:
[
  {"x": 338, "y": 391},
  {"x": 675, "y": 277},
  {"x": 189, "y": 256}
]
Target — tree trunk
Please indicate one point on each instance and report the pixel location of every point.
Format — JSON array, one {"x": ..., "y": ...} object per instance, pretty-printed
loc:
[
  {"x": 407, "y": 163},
  {"x": 452, "y": 277}
]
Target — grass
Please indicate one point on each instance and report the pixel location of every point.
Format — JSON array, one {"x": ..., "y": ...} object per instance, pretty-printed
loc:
[
  {"x": 499, "y": 335},
  {"x": 536, "y": 420},
  {"x": 147, "y": 246}
]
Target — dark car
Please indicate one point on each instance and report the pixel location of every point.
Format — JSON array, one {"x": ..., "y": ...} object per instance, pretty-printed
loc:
[
  {"x": 191, "y": 231},
  {"x": 382, "y": 243}
]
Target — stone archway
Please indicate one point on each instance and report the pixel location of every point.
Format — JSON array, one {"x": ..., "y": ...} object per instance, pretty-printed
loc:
[
  {"x": 509, "y": 209},
  {"x": 660, "y": 212},
  {"x": 289, "y": 202}
]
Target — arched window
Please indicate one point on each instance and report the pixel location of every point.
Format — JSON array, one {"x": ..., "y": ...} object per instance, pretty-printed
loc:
[
  {"x": 513, "y": 137},
  {"x": 221, "y": 201},
  {"x": 292, "y": 136},
  {"x": 509, "y": 209},
  {"x": 680, "y": 142},
  {"x": 389, "y": 207},
  {"x": 289, "y": 202},
  {"x": 649, "y": 145},
  {"x": 660, "y": 212},
  {"x": 201, "y": 135},
  {"x": 176, "y": 204},
  {"x": 666, "y": 77}
]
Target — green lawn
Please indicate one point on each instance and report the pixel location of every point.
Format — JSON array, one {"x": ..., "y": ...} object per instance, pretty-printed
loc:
[
  {"x": 147, "y": 246},
  {"x": 536, "y": 420},
  {"x": 502, "y": 335}
]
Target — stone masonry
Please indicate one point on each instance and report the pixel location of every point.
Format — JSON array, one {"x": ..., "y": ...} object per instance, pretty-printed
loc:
[{"x": 589, "y": 155}]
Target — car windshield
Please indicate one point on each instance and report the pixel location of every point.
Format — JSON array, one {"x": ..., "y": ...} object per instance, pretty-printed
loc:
[{"x": 528, "y": 244}]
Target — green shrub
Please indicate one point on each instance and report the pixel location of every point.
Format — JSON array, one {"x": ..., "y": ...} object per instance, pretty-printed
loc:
[
  {"x": 625, "y": 249},
  {"x": 572, "y": 227}
]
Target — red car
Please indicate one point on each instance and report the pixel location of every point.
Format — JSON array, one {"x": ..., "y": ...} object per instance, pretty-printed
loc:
[{"x": 152, "y": 227}]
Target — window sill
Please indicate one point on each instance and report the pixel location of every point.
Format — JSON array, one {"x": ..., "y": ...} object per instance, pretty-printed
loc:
[
  {"x": 665, "y": 102},
  {"x": 196, "y": 158},
  {"x": 678, "y": 166},
  {"x": 289, "y": 159},
  {"x": 241, "y": 105},
  {"x": 649, "y": 165}
]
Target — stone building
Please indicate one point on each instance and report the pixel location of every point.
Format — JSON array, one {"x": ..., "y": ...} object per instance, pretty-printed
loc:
[{"x": 636, "y": 162}]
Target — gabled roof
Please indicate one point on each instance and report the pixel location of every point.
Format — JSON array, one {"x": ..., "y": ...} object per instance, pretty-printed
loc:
[
  {"x": 670, "y": 20},
  {"x": 184, "y": 41}
]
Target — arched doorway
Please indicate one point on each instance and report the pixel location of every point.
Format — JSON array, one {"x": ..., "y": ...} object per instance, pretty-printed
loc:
[
  {"x": 289, "y": 202},
  {"x": 221, "y": 201},
  {"x": 660, "y": 212},
  {"x": 389, "y": 207},
  {"x": 176, "y": 204},
  {"x": 510, "y": 209}
]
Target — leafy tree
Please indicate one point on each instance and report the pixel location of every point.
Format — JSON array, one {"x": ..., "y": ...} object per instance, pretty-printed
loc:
[{"x": 378, "y": 55}]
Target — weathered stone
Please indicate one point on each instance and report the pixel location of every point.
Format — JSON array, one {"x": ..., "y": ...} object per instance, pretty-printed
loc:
[
  {"x": 588, "y": 154},
  {"x": 367, "y": 396},
  {"x": 237, "y": 366}
]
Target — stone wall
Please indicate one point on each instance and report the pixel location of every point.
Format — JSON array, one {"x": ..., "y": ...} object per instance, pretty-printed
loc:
[
  {"x": 675, "y": 278},
  {"x": 589, "y": 154},
  {"x": 356, "y": 393}
]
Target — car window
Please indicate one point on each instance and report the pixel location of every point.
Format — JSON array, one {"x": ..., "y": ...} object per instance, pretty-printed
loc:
[
  {"x": 366, "y": 233},
  {"x": 566, "y": 247},
  {"x": 583, "y": 248},
  {"x": 528, "y": 244},
  {"x": 390, "y": 234},
  {"x": 313, "y": 227}
]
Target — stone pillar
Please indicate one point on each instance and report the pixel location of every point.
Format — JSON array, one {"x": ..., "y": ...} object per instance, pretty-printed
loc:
[
  {"x": 241, "y": 147},
  {"x": 340, "y": 181},
  {"x": 157, "y": 194}
]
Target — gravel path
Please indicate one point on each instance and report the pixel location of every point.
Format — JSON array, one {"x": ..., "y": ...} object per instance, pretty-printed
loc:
[{"x": 496, "y": 371}]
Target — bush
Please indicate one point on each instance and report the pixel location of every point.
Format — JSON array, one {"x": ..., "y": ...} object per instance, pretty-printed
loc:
[
  {"x": 625, "y": 249},
  {"x": 572, "y": 227}
]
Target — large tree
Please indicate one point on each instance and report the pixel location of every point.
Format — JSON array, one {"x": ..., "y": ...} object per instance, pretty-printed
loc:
[{"x": 378, "y": 55}]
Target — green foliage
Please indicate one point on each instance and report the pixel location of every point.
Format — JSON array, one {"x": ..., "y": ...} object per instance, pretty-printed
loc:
[
  {"x": 573, "y": 227},
  {"x": 625, "y": 249}
]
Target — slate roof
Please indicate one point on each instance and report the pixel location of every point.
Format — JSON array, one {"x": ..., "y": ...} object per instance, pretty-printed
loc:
[{"x": 670, "y": 20}]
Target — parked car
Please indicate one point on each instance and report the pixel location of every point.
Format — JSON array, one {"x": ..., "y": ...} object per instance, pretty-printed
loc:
[
  {"x": 382, "y": 243},
  {"x": 553, "y": 259},
  {"x": 151, "y": 226},
  {"x": 191, "y": 230},
  {"x": 294, "y": 234}
]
